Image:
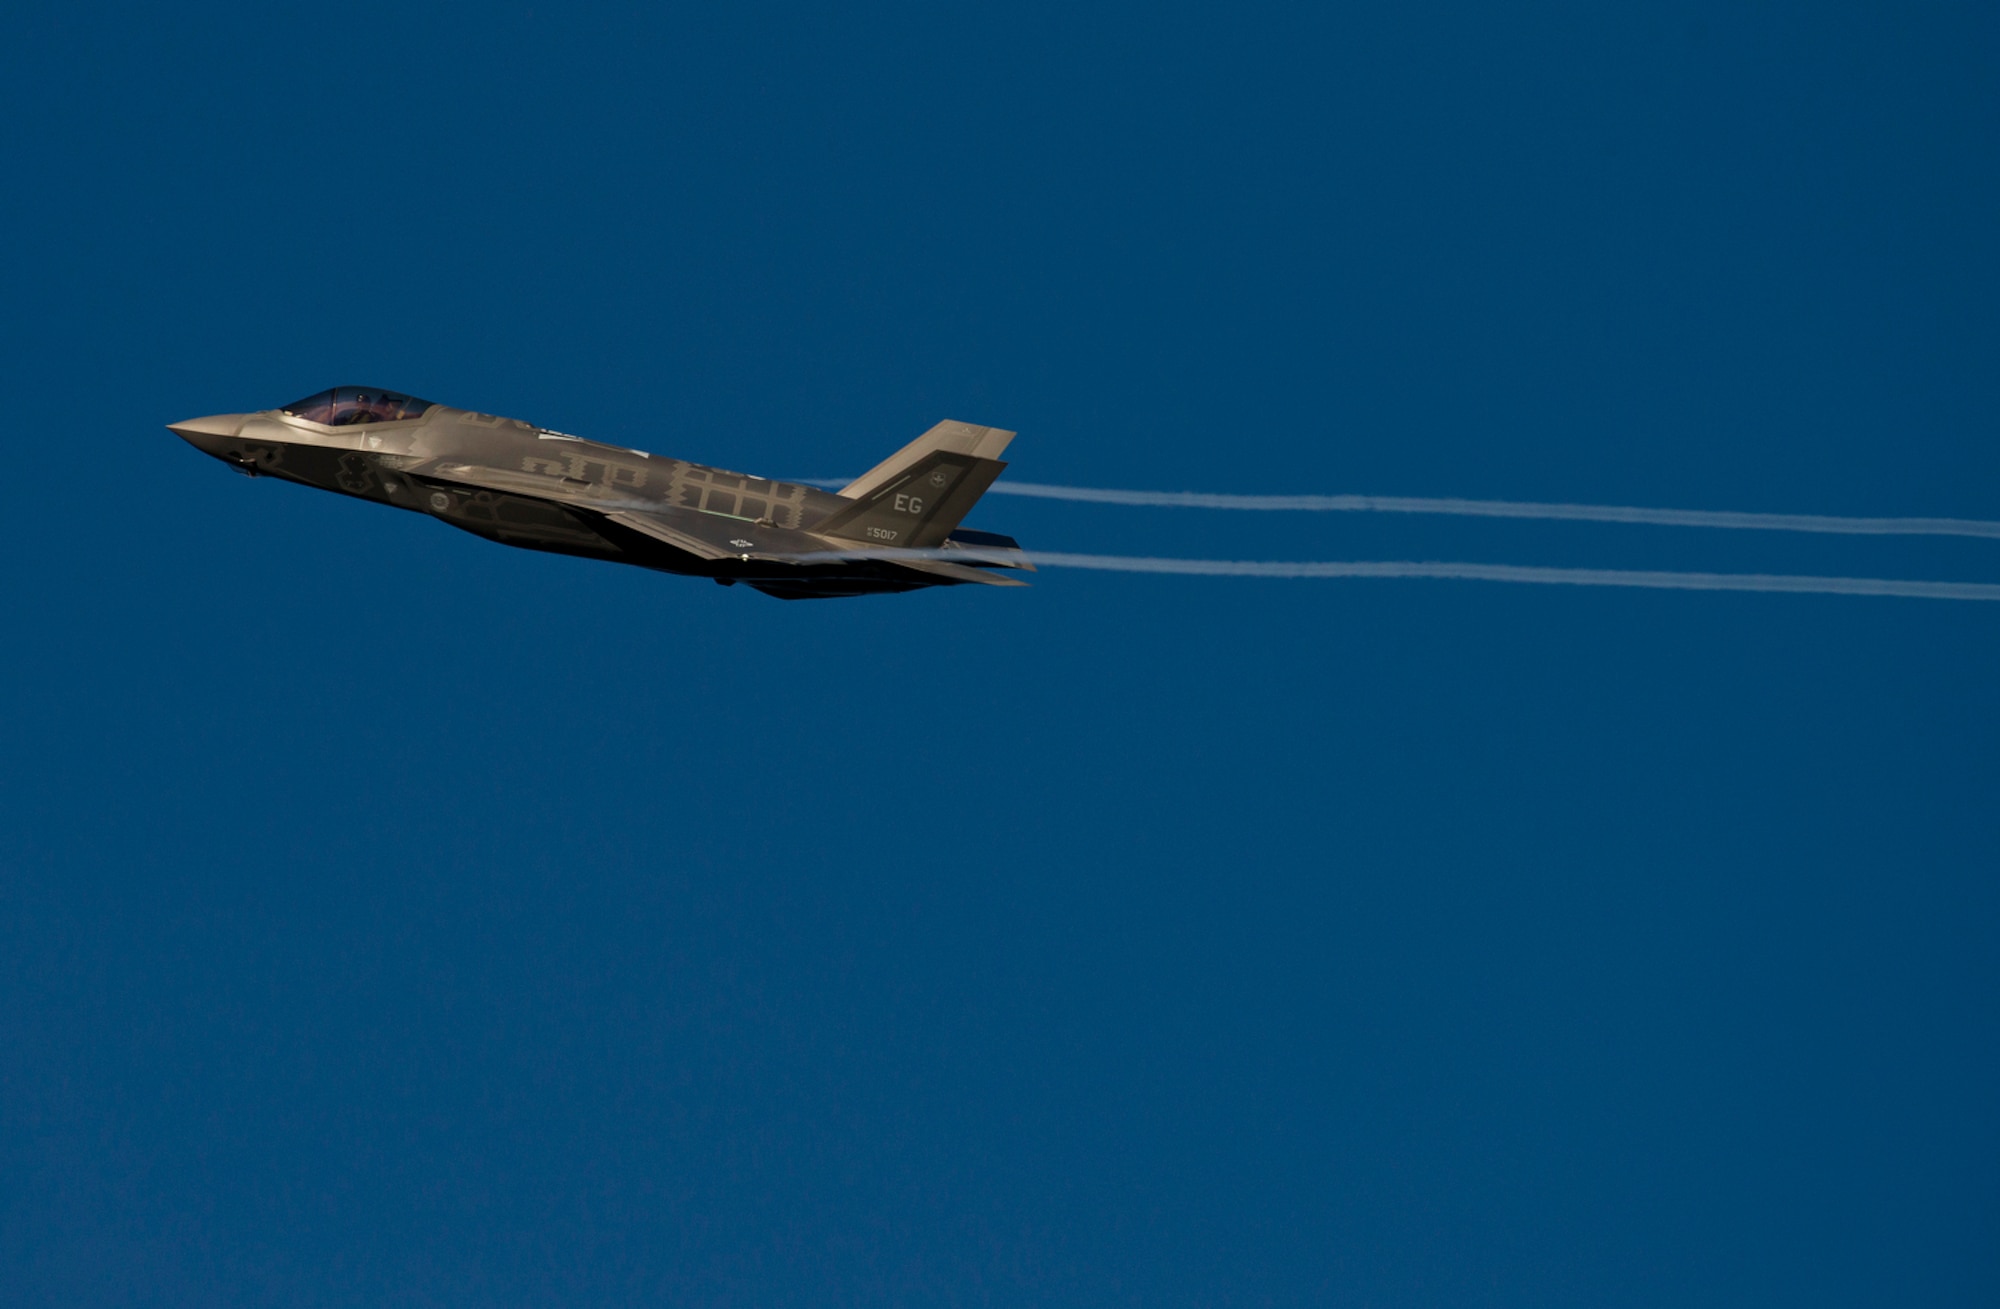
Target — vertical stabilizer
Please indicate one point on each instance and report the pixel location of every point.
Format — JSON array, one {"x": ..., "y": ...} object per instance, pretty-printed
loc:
[{"x": 915, "y": 497}]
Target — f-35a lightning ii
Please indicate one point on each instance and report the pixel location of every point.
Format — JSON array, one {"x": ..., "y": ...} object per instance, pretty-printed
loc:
[{"x": 895, "y": 528}]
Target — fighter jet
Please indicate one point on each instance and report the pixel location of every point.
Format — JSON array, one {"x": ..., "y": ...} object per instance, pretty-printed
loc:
[{"x": 895, "y": 528}]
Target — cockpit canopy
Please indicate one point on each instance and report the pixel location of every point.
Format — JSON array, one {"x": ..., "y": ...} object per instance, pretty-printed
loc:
[{"x": 346, "y": 405}]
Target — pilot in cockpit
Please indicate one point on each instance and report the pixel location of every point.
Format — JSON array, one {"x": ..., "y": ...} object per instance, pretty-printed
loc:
[{"x": 346, "y": 405}]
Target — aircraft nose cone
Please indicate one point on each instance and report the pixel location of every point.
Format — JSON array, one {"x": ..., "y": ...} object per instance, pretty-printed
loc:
[{"x": 204, "y": 433}]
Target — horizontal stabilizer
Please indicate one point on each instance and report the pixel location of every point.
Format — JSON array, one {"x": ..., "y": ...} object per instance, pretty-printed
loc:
[
  {"x": 990, "y": 549},
  {"x": 960, "y": 572}
]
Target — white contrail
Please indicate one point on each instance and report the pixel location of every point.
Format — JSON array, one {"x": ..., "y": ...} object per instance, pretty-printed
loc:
[
  {"x": 1510, "y": 509},
  {"x": 1543, "y": 576},
  {"x": 1393, "y": 504},
  {"x": 1764, "y": 582}
]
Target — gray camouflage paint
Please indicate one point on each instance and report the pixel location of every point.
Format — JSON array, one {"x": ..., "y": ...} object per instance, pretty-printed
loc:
[{"x": 522, "y": 485}]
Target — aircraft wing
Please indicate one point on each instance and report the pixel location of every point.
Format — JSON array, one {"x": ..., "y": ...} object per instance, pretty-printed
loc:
[
  {"x": 658, "y": 527},
  {"x": 712, "y": 536},
  {"x": 705, "y": 536},
  {"x": 708, "y": 537},
  {"x": 537, "y": 486}
]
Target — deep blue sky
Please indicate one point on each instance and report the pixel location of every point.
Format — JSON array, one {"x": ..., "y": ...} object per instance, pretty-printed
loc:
[{"x": 390, "y": 918}]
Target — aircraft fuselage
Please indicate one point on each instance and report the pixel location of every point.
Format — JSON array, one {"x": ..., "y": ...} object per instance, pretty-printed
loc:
[{"x": 523, "y": 485}]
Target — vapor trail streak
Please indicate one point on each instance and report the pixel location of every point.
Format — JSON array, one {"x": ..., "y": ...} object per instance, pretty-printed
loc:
[
  {"x": 1764, "y": 582},
  {"x": 1510, "y": 509},
  {"x": 1542, "y": 576}
]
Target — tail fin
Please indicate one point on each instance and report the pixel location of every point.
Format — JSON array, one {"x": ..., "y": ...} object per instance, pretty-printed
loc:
[{"x": 916, "y": 496}]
